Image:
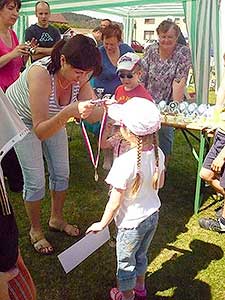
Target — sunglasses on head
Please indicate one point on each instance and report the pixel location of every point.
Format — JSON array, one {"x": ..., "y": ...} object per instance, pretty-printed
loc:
[{"x": 126, "y": 75}]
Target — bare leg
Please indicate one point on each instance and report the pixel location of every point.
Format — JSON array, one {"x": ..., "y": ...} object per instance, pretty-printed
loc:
[
  {"x": 33, "y": 210},
  {"x": 223, "y": 213},
  {"x": 5, "y": 277},
  {"x": 57, "y": 202},
  {"x": 212, "y": 179},
  {"x": 128, "y": 294},
  {"x": 140, "y": 282},
  {"x": 57, "y": 221}
]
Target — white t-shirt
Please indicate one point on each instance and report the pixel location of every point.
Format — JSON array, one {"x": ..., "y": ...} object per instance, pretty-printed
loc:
[{"x": 122, "y": 174}]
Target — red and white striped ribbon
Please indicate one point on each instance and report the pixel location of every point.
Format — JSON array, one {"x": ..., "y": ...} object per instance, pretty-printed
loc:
[{"x": 94, "y": 160}]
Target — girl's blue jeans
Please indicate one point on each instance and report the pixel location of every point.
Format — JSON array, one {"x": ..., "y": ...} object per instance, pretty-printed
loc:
[{"x": 131, "y": 249}]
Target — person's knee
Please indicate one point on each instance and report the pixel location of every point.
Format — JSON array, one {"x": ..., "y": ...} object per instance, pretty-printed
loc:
[{"x": 206, "y": 175}]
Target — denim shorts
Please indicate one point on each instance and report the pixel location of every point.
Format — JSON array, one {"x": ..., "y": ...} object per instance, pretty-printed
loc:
[
  {"x": 166, "y": 135},
  {"x": 217, "y": 146},
  {"x": 30, "y": 152},
  {"x": 131, "y": 249}
]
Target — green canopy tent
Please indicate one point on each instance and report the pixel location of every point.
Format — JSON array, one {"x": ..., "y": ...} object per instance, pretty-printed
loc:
[{"x": 202, "y": 19}]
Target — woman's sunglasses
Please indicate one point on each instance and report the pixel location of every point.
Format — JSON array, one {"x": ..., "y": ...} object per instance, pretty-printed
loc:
[{"x": 126, "y": 75}]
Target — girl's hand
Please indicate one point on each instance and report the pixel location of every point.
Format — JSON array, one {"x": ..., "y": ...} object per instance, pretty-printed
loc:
[
  {"x": 85, "y": 108},
  {"x": 95, "y": 227}
]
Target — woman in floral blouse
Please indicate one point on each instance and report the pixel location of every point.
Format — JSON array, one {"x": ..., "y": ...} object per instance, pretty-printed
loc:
[{"x": 166, "y": 65}]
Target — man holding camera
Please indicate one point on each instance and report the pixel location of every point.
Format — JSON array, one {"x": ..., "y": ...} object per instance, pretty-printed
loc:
[{"x": 45, "y": 34}]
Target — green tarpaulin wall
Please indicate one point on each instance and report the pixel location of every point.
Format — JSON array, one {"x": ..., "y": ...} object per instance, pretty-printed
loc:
[{"x": 202, "y": 20}]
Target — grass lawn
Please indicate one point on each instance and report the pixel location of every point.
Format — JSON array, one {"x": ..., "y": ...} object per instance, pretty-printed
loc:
[{"x": 186, "y": 262}]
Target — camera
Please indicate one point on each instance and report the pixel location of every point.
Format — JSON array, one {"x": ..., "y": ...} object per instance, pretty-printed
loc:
[{"x": 30, "y": 49}]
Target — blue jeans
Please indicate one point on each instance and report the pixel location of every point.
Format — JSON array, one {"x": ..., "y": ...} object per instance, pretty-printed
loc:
[
  {"x": 131, "y": 249},
  {"x": 166, "y": 135},
  {"x": 30, "y": 153}
]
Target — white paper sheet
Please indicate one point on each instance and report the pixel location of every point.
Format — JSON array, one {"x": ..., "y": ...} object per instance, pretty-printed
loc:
[{"x": 74, "y": 255}]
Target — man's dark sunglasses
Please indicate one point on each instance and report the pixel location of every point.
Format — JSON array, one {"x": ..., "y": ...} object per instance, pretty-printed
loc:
[{"x": 126, "y": 75}]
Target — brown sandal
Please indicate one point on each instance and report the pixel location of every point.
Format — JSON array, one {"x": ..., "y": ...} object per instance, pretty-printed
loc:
[
  {"x": 62, "y": 226},
  {"x": 40, "y": 244}
]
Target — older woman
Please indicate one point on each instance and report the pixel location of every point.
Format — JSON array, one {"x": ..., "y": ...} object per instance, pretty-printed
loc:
[
  {"x": 111, "y": 50},
  {"x": 166, "y": 66},
  {"x": 12, "y": 56},
  {"x": 45, "y": 96}
]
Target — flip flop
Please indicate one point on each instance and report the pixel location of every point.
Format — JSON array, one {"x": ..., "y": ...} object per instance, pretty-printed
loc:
[
  {"x": 71, "y": 230},
  {"x": 40, "y": 244}
]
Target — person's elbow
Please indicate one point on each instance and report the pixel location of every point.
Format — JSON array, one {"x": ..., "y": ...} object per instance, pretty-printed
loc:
[{"x": 39, "y": 132}]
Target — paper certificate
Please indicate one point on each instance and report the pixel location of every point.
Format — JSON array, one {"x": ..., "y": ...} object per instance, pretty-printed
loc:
[{"x": 74, "y": 255}]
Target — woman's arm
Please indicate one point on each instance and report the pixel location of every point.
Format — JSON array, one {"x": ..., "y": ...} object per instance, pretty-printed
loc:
[
  {"x": 41, "y": 52},
  {"x": 16, "y": 52},
  {"x": 115, "y": 200},
  {"x": 43, "y": 126},
  {"x": 87, "y": 93},
  {"x": 181, "y": 74},
  {"x": 178, "y": 90}
]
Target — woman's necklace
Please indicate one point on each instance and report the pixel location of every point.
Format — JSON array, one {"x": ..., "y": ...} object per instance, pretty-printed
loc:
[{"x": 61, "y": 85}]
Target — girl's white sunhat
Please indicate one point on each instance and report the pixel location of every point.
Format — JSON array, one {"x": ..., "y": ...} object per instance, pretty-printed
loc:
[{"x": 139, "y": 115}]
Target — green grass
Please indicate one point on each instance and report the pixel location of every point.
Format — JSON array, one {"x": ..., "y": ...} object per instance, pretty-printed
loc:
[{"x": 186, "y": 262}]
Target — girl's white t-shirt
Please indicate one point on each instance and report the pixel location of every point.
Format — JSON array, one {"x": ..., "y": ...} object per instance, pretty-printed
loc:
[{"x": 122, "y": 174}]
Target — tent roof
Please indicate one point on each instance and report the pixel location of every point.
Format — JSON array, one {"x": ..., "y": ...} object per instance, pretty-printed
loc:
[{"x": 131, "y": 8}]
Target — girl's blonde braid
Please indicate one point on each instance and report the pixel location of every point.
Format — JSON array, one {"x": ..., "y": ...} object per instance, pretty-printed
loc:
[
  {"x": 137, "y": 181},
  {"x": 155, "y": 178}
]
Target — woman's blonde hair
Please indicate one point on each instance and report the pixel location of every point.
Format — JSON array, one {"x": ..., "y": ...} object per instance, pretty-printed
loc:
[{"x": 138, "y": 178}]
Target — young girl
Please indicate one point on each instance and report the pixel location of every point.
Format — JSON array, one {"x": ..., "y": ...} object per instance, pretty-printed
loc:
[{"x": 136, "y": 176}]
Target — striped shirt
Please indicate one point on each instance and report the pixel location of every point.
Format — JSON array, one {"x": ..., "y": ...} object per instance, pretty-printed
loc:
[
  {"x": 18, "y": 93},
  {"x": 22, "y": 286}
]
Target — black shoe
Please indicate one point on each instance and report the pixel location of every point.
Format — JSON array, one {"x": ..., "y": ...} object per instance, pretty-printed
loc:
[
  {"x": 211, "y": 224},
  {"x": 219, "y": 212}
]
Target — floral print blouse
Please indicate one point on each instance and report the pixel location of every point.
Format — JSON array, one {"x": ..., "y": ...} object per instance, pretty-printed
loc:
[{"x": 159, "y": 74}]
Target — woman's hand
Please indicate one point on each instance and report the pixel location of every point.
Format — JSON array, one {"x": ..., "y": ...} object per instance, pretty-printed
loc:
[
  {"x": 95, "y": 227},
  {"x": 85, "y": 108},
  {"x": 20, "y": 50}
]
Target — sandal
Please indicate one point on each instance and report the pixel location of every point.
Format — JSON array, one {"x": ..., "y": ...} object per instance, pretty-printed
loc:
[
  {"x": 62, "y": 226},
  {"x": 40, "y": 244}
]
